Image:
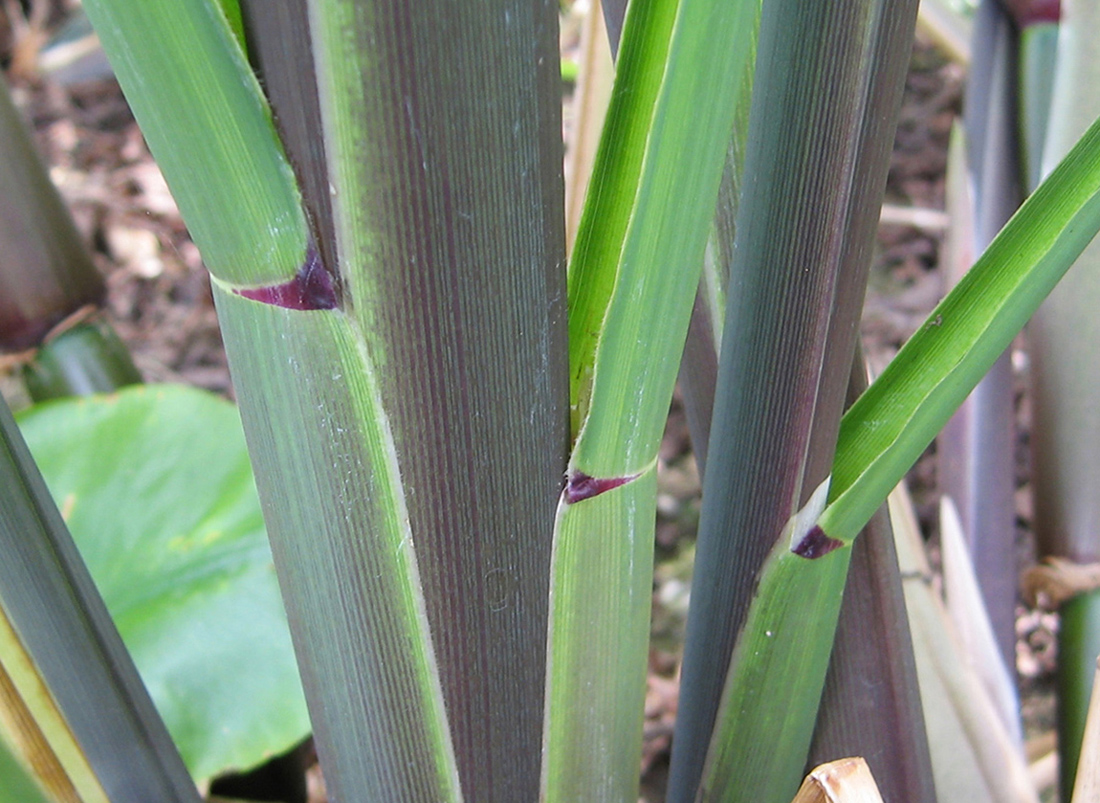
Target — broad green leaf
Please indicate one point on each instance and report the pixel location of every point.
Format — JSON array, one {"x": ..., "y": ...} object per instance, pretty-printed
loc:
[{"x": 155, "y": 485}]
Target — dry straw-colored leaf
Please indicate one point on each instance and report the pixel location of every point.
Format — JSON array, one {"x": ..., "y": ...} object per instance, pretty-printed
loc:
[{"x": 846, "y": 780}]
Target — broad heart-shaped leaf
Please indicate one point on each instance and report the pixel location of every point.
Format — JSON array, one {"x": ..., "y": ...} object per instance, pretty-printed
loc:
[{"x": 155, "y": 485}]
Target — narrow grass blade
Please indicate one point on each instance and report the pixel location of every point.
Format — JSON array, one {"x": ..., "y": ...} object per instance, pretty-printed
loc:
[
  {"x": 206, "y": 122},
  {"x": 699, "y": 367},
  {"x": 814, "y": 176},
  {"x": 63, "y": 657},
  {"x": 888, "y": 427},
  {"x": 699, "y": 364},
  {"x": 632, "y": 280},
  {"x": 640, "y": 245}
]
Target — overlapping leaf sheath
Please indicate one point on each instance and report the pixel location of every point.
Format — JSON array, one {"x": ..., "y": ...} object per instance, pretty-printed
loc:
[
  {"x": 815, "y": 168},
  {"x": 632, "y": 279},
  {"x": 400, "y": 370},
  {"x": 871, "y": 701},
  {"x": 887, "y": 428}
]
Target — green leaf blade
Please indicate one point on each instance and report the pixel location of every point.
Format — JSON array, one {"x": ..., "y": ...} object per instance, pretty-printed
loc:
[
  {"x": 631, "y": 288},
  {"x": 206, "y": 122},
  {"x": 888, "y": 427}
]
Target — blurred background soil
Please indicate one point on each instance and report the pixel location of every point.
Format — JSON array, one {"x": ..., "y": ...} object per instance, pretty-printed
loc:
[{"x": 159, "y": 298}]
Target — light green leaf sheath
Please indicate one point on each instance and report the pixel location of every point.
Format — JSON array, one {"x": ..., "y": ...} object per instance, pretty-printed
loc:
[
  {"x": 790, "y": 625},
  {"x": 207, "y": 123},
  {"x": 311, "y": 411},
  {"x": 631, "y": 285},
  {"x": 788, "y": 635},
  {"x": 606, "y": 679}
]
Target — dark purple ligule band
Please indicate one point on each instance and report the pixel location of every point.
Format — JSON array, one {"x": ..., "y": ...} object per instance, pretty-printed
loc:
[
  {"x": 815, "y": 544},
  {"x": 311, "y": 289},
  {"x": 580, "y": 486}
]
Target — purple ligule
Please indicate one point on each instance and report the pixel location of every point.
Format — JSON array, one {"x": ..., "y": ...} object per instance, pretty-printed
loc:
[
  {"x": 311, "y": 289},
  {"x": 815, "y": 544},
  {"x": 580, "y": 486}
]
